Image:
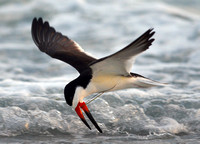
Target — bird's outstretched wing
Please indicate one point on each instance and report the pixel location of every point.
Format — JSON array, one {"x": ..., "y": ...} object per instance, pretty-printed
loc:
[
  {"x": 120, "y": 63},
  {"x": 59, "y": 46}
]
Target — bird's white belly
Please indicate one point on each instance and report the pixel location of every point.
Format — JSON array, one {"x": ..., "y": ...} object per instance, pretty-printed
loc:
[
  {"x": 110, "y": 83},
  {"x": 105, "y": 83}
]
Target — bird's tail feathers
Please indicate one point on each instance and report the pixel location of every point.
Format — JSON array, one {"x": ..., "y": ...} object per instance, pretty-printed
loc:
[{"x": 146, "y": 83}]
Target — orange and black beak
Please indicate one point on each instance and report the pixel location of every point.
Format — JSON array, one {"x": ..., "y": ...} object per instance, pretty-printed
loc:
[{"x": 86, "y": 110}]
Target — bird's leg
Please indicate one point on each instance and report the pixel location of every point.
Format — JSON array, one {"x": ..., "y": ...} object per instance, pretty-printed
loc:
[
  {"x": 95, "y": 97},
  {"x": 99, "y": 94}
]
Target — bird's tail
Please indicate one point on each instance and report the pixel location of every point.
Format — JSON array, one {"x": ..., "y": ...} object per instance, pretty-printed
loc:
[{"x": 144, "y": 82}]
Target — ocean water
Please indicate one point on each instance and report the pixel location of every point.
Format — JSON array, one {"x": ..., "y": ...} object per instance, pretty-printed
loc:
[{"x": 32, "y": 105}]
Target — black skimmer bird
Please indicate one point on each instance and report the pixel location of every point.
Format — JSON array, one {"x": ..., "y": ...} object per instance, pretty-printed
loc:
[{"x": 96, "y": 75}]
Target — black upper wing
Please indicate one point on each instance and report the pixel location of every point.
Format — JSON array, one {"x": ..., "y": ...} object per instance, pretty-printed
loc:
[{"x": 59, "y": 46}]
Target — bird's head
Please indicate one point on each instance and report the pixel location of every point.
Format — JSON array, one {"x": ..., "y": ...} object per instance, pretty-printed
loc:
[
  {"x": 74, "y": 93},
  {"x": 69, "y": 92}
]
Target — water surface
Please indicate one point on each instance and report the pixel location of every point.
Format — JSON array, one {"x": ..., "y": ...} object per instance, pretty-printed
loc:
[{"x": 32, "y": 105}]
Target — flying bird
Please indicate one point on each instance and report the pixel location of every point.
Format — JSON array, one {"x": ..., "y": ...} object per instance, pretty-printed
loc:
[{"x": 109, "y": 73}]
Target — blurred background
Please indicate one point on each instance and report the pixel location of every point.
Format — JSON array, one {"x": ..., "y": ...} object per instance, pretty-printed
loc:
[{"x": 31, "y": 83}]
